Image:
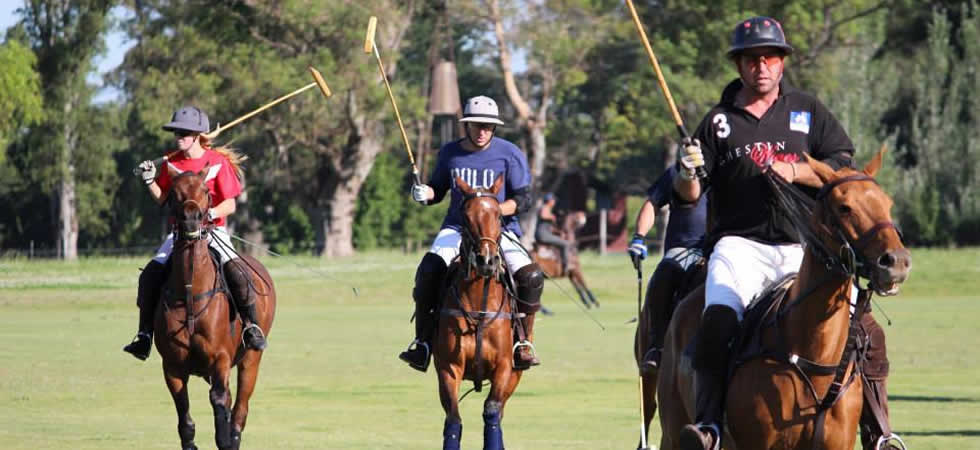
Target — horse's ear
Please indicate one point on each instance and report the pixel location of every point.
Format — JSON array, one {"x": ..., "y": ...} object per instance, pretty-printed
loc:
[
  {"x": 497, "y": 184},
  {"x": 204, "y": 172},
  {"x": 824, "y": 172},
  {"x": 872, "y": 168},
  {"x": 467, "y": 189}
]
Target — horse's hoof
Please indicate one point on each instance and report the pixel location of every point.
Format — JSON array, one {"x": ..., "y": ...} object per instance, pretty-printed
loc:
[{"x": 191, "y": 447}]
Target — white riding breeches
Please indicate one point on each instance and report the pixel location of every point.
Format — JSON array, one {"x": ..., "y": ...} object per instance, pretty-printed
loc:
[
  {"x": 740, "y": 269},
  {"x": 447, "y": 242},
  {"x": 218, "y": 239}
]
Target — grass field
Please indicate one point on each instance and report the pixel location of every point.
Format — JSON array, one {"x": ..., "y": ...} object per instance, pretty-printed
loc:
[{"x": 331, "y": 378}]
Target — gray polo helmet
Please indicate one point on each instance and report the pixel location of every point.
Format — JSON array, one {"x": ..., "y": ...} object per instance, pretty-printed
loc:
[
  {"x": 481, "y": 109},
  {"x": 189, "y": 118},
  {"x": 758, "y": 32}
]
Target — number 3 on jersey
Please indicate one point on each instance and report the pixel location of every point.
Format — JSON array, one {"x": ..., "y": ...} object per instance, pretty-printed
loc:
[{"x": 721, "y": 123}]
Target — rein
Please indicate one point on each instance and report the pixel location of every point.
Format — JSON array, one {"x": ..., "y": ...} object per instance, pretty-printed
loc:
[
  {"x": 798, "y": 208},
  {"x": 477, "y": 320}
]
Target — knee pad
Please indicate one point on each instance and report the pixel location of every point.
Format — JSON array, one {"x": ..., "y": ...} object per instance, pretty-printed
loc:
[
  {"x": 530, "y": 283},
  {"x": 719, "y": 324}
]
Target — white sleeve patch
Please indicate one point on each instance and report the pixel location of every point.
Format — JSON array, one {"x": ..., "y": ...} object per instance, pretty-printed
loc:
[
  {"x": 213, "y": 172},
  {"x": 175, "y": 169}
]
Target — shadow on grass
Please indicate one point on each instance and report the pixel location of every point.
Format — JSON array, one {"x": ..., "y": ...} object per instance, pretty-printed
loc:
[
  {"x": 922, "y": 398},
  {"x": 955, "y": 433}
]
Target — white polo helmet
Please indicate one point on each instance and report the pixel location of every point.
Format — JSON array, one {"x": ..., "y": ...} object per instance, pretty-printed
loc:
[{"x": 481, "y": 109}]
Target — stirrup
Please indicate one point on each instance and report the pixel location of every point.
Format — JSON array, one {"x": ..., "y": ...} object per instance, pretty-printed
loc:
[
  {"x": 709, "y": 429},
  {"x": 416, "y": 345},
  {"x": 259, "y": 347},
  {"x": 534, "y": 355},
  {"x": 651, "y": 360},
  {"x": 889, "y": 442}
]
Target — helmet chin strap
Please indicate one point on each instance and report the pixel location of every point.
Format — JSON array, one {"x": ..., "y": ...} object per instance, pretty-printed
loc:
[{"x": 466, "y": 129}]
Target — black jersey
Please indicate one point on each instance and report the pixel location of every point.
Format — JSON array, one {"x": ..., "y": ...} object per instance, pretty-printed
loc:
[{"x": 737, "y": 146}]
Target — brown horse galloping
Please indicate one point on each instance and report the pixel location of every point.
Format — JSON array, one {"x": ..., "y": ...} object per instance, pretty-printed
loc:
[
  {"x": 200, "y": 336},
  {"x": 548, "y": 257},
  {"x": 777, "y": 399},
  {"x": 475, "y": 339}
]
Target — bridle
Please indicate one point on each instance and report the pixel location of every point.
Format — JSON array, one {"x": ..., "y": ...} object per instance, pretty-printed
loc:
[
  {"x": 849, "y": 259},
  {"x": 491, "y": 266}
]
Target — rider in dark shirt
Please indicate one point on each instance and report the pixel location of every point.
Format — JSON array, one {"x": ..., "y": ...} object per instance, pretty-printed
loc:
[{"x": 544, "y": 232}]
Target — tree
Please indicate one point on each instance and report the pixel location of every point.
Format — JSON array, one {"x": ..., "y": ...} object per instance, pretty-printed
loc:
[
  {"x": 315, "y": 152},
  {"x": 20, "y": 92},
  {"x": 65, "y": 35}
]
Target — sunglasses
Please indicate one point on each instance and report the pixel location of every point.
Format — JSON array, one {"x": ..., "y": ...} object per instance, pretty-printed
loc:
[
  {"x": 183, "y": 133},
  {"x": 768, "y": 58}
]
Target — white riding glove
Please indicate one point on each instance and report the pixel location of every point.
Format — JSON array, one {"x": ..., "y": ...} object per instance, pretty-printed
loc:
[
  {"x": 691, "y": 158},
  {"x": 422, "y": 193},
  {"x": 149, "y": 172}
]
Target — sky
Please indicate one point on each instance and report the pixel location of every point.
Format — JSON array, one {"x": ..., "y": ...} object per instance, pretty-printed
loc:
[{"x": 116, "y": 44}]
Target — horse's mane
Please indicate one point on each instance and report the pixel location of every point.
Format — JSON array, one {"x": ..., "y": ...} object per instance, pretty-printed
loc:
[{"x": 233, "y": 156}]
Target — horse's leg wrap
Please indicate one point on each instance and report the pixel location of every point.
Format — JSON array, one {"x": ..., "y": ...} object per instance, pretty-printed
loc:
[
  {"x": 493, "y": 436},
  {"x": 222, "y": 419},
  {"x": 719, "y": 324},
  {"x": 186, "y": 432},
  {"x": 243, "y": 292},
  {"x": 452, "y": 433},
  {"x": 530, "y": 283}
]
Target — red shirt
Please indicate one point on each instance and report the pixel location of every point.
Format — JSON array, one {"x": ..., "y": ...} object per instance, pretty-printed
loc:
[{"x": 221, "y": 179}]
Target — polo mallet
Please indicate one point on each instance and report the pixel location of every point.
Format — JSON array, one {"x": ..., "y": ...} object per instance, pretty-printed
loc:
[
  {"x": 156, "y": 162},
  {"x": 663, "y": 83},
  {"x": 638, "y": 264},
  {"x": 317, "y": 81},
  {"x": 371, "y": 47}
]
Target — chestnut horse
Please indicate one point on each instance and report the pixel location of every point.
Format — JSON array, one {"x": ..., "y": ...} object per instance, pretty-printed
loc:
[
  {"x": 474, "y": 339},
  {"x": 799, "y": 393},
  {"x": 548, "y": 257},
  {"x": 201, "y": 335}
]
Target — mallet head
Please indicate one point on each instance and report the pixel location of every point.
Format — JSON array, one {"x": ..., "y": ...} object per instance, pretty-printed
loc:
[
  {"x": 369, "y": 38},
  {"x": 320, "y": 82}
]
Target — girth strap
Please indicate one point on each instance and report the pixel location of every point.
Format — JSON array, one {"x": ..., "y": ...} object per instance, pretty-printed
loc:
[{"x": 480, "y": 315}]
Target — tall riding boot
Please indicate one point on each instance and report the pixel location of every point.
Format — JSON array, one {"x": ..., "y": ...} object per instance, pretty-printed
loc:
[
  {"x": 530, "y": 283},
  {"x": 429, "y": 278},
  {"x": 718, "y": 327},
  {"x": 147, "y": 294},
  {"x": 242, "y": 290},
  {"x": 659, "y": 297},
  {"x": 876, "y": 432}
]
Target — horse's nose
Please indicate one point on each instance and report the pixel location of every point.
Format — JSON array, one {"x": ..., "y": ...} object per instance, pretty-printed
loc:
[{"x": 897, "y": 262}]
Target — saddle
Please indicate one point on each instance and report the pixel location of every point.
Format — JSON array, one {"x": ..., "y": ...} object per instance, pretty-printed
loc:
[
  {"x": 221, "y": 285},
  {"x": 456, "y": 271}
]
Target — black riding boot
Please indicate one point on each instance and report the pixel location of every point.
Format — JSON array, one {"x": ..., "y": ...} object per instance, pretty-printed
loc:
[
  {"x": 658, "y": 305},
  {"x": 530, "y": 283},
  {"x": 718, "y": 327},
  {"x": 428, "y": 282},
  {"x": 147, "y": 294},
  {"x": 240, "y": 285}
]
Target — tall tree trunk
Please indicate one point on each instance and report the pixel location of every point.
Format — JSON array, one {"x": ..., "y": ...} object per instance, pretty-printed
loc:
[{"x": 67, "y": 213}]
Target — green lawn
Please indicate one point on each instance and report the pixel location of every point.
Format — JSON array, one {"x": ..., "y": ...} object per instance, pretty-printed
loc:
[{"x": 331, "y": 378}]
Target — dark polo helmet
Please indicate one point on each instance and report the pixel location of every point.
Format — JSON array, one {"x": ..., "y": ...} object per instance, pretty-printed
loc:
[
  {"x": 758, "y": 32},
  {"x": 189, "y": 118}
]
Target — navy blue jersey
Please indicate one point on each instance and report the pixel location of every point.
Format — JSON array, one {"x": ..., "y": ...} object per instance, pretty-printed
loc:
[
  {"x": 479, "y": 169},
  {"x": 686, "y": 226}
]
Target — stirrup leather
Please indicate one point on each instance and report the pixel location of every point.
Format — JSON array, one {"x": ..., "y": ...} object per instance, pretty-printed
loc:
[{"x": 891, "y": 441}]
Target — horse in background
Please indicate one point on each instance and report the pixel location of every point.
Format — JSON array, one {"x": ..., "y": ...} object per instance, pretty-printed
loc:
[
  {"x": 475, "y": 338},
  {"x": 792, "y": 384},
  {"x": 548, "y": 257},
  {"x": 201, "y": 333}
]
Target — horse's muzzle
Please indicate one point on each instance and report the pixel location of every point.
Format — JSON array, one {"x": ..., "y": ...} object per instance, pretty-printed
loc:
[{"x": 890, "y": 270}]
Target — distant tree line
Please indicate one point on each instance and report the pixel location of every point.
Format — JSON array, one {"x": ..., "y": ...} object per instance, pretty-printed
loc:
[{"x": 330, "y": 176}]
